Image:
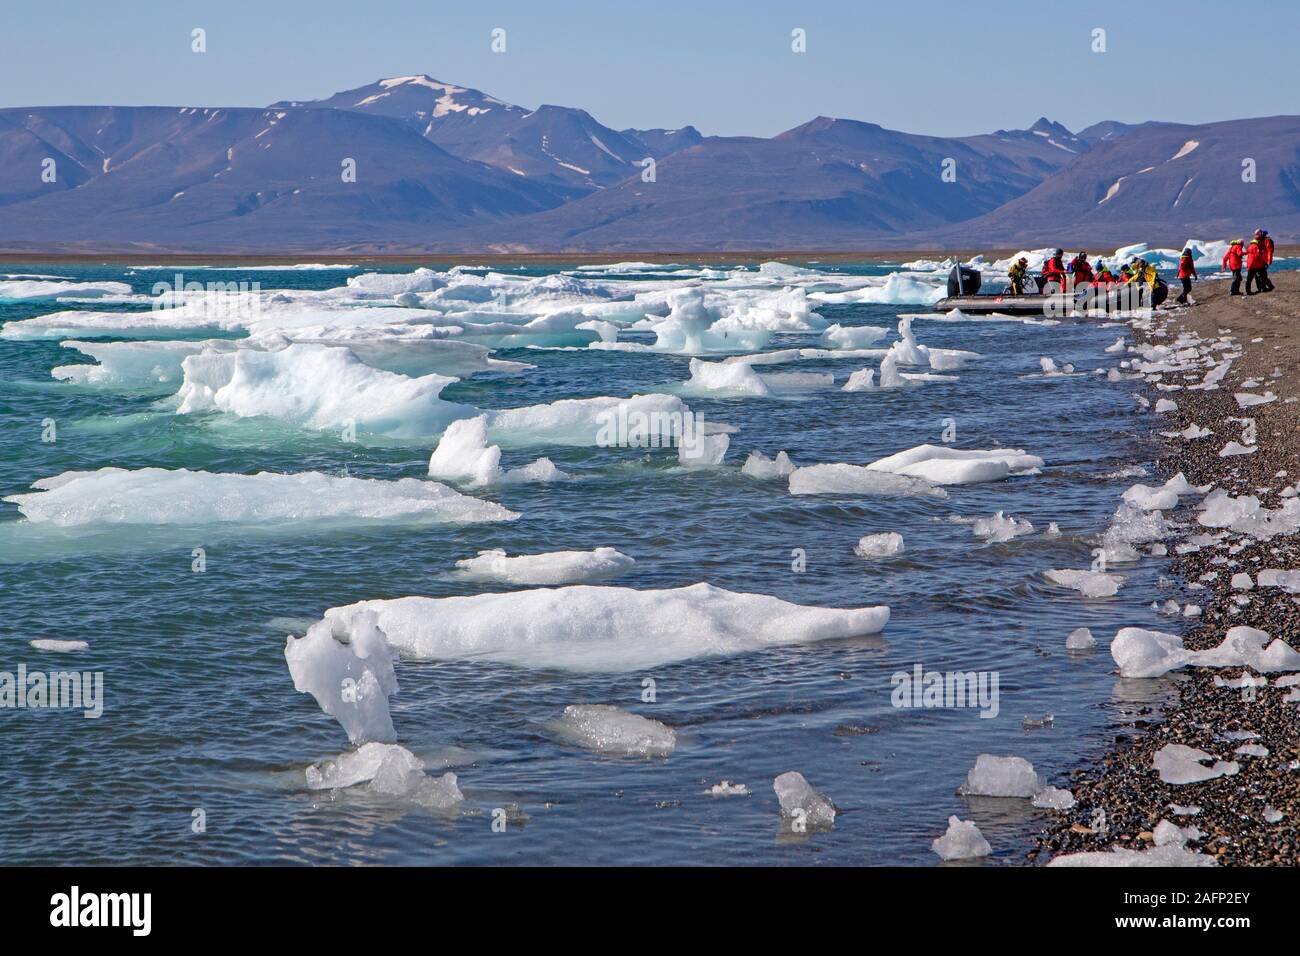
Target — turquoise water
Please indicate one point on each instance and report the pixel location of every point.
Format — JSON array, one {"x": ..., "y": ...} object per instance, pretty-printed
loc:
[{"x": 200, "y": 712}]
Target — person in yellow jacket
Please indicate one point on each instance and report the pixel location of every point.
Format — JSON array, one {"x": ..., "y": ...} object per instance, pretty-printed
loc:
[{"x": 1019, "y": 269}]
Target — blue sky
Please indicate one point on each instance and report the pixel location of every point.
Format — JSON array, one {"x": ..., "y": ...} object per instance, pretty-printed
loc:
[{"x": 946, "y": 68}]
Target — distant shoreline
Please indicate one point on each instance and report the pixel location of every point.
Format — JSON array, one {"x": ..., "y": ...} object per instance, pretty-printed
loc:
[{"x": 535, "y": 258}]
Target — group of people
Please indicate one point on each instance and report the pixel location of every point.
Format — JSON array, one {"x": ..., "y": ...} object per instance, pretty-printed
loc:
[
  {"x": 1056, "y": 276},
  {"x": 1256, "y": 257}
]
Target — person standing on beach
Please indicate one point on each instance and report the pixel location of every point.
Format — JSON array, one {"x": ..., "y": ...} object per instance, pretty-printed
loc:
[
  {"x": 1256, "y": 263},
  {"x": 1232, "y": 263},
  {"x": 1266, "y": 241},
  {"x": 1186, "y": 273}
]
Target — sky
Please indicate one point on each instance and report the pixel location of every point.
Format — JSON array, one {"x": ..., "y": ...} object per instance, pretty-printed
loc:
[{"x": 726, "y": 67}]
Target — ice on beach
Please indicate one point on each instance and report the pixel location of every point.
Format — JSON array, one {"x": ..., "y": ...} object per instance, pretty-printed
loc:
[
  {"x": 1246, "y": 515},
  {"x": 351, "y": 681},
  {"x": 1001, "y": 777},
  {"x": 602, "y": 628},
  {"x": 803, "y": 809},
  {"x": 59, "y": 646},
  {"x": 1179, "y": 765},
  {"x": 608, "y": 730},
  {"x": 1159, "y": 499},
  {"x": 842, "y": 479},
  {"x": 944, "y": 465},
  {"x": 1191, "y": 433},
  {"x": 1166, "y": 405},
  {"x": 1233, "y": 448},
  {"x": 1252, "y": 750},
  {"x": 1080, "y": 639},
  {"x": 550, "y": 568},
  {"x": 961, "y": 841},
  {"x": 885, "y": 545},
  {"x": 1144, "y": 653},
  {"x": 463, "y": 455},
  {"x": 1171, "y": 854},
  {"x": 1273, "y": 578},
  {"x": 1000, "y": 528},
  {"x": 1053, "y": 798},
  {"x": 1241, "y": 582},
  {"x": 1091, "y": 584},
  {"x": 157, "y": 496},
  {"x": 758, "y": 465},
  {"x": 852, "y": 337},
  {"x": 724, "y": 380},
  {"x": 1248, "y": 400}
]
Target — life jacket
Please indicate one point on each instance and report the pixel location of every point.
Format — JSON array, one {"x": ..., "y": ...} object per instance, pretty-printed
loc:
[
  {"x": 1053, "y": 268},
  {"x": 1232, "y": 258},
  {"x": 1268, "y": 249},
  {"x": 1186, "y": 267},
  {"x": 1082, "y": 273},
  {"x": 1256, "y": 255}
]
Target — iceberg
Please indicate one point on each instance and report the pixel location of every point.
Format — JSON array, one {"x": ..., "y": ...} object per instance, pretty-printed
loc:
[
  {"x": 943, "y": 465},
  {"x": 23, "y": 290},
  {"x": 601, "y": 628},
  {"x": 551, "y": 568},
  {"x": 463, "y": 455}
]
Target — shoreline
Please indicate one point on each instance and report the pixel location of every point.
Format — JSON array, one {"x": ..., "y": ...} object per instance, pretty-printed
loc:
[{"x": 1238, "y": 813}]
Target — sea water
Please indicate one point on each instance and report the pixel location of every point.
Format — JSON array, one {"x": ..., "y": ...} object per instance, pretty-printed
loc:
[{"x": 199, "y": 756}]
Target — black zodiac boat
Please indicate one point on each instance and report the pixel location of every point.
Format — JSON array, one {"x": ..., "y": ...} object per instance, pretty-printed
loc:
[{"x": 964, "y": 294}]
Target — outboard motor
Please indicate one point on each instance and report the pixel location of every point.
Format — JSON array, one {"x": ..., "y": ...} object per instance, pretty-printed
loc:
[{"x": 963, "y": 280}]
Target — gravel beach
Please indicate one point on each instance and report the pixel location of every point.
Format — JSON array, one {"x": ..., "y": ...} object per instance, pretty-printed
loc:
[{"x": 1250, "y": 817}]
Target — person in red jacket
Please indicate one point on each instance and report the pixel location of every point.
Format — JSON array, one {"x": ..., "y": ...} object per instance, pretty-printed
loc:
[
  {"x": 1232, "y": 260},
  {"x": 1054, "y": 271},
  {"x": 1186, "y": 273},
  {"x": 1082, "y": 271},
  {"x": 1256, "y": 264},
  {"x": 1266, "y": 241}
]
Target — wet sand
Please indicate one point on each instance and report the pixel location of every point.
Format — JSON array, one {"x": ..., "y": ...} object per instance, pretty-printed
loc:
[{"x": 1238, "y": 814}]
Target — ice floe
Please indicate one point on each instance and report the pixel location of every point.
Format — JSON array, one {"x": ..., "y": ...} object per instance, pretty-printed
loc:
[
  {"x": 550, "y": 568},
  {"x": 608, "y": 730},
  {"x": 961, "y": 841},
  {"x": 351, "y": 682},
  {"x": 803, "y": 809},
  {"x": 888, "y": 544}
]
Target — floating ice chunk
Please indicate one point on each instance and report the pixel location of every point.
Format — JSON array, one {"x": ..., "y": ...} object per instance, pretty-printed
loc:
[
  {"x": 943, "y": 465},
  {"x": 317, "y": 387},
  {"x": 21, "y": 290},
  {"x": 134, "y": 364},
  {"x": 727, "y": 789},
  {"x": 551, "y": 568},
  {"x": 1179, "y": 764},
  {"x": 358, "y": 766},
  {"x": 1092, "y": 584},
  {"x": 885, "y": 545},
  {"x": 758, "y": 465},
  {"x": 1116, "y": 346},
  {"x": 852, "y": 337},
  {"x": 59, "y": 646},
  {"x": 862, "y": 380},
  {"x": 1000, "y": 527},
  {"x": 1159, "y": 499},
  {"x": 961, "y": 841},
  {"x": 802, "y": 808},
  {"x": 1053, "y": 798},
  {"x": 906, "y": 351},
  {"x": 352, "y": 682},
  {"x": 384, "y": 285},
  {"x": 950, "y": 360},
  {"x": 1169, "y": 855},
  {"x": 463, "y": 454},
  {"x": 1080, "y": 639},
  {"x": 724, "y": 379},
  {"x": 705, "y": 451},
  {"x": 609, "y": 730},
  {"x": 653, "y": 420},
  {"x": 1050, "y": 367},
  {"x": 841, "y": 479},
  {"x": 157, "y": 496},
  {"x": 602, "y": 628},
  {"x": 889, "y": 374},
  {"x": 1001, "y": 777}
]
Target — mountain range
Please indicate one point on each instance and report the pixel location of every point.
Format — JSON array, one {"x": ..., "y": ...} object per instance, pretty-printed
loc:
[{"x": 411, "y": 165}]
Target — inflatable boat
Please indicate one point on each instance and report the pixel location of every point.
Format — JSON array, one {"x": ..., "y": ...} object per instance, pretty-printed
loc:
[{"x": 964, "y": 294}]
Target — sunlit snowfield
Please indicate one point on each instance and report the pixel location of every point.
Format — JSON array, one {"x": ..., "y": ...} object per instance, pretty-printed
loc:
[{"x": 201, "y": 711}]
